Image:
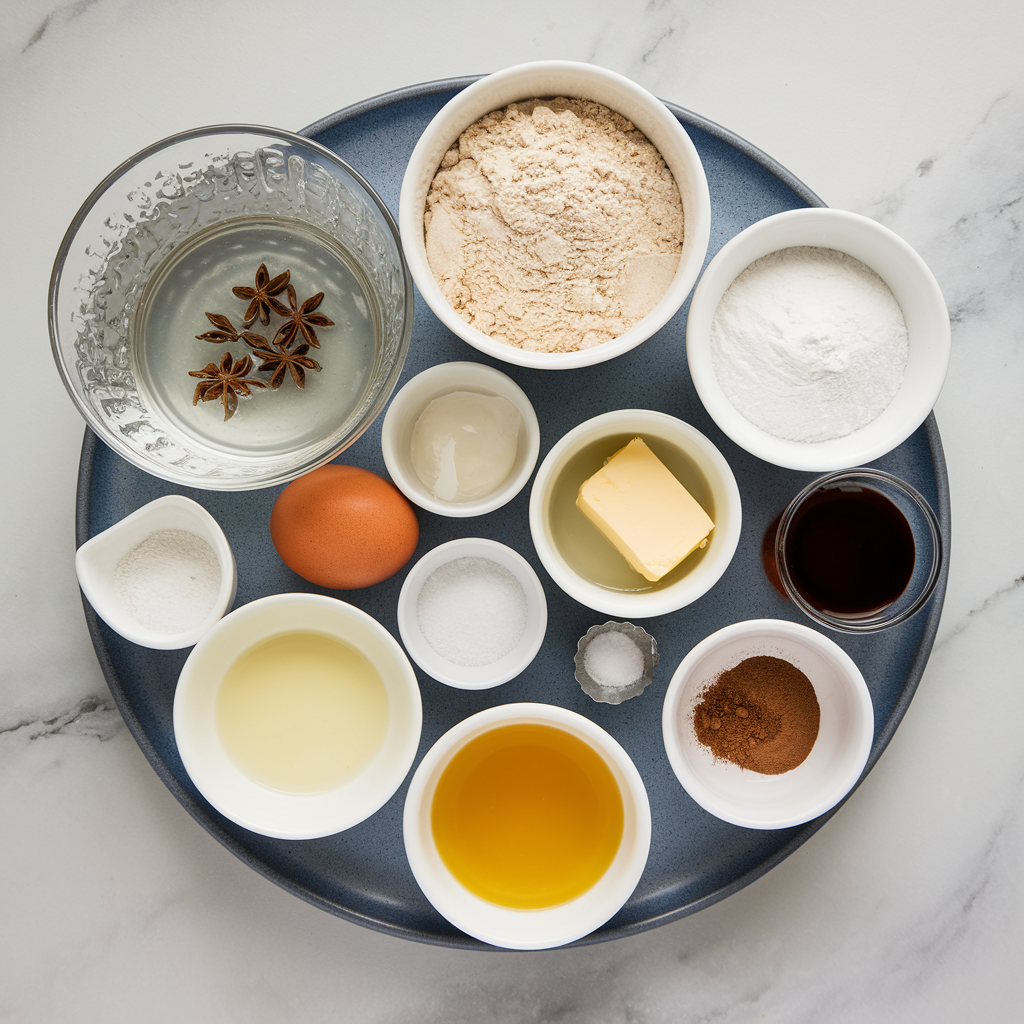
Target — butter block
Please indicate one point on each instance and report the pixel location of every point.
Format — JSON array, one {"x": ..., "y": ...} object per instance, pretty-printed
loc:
[{"x": 635, "y": 501}]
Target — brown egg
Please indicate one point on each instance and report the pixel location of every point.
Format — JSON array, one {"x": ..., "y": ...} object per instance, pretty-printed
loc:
[{"x": 343, "y": 527}]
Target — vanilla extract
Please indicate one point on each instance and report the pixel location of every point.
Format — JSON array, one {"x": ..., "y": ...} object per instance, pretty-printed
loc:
[{"x": 850, "y": 552}]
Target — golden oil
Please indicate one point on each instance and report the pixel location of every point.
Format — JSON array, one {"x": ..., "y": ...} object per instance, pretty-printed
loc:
[{"x": 527, "y": 816}]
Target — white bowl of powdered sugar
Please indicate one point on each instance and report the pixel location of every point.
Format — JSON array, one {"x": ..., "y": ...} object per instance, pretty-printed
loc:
[
  {"x": 554, "y": 215},
  {"x": 818, "y": 340},
  {"x": 163, "y": 576}
]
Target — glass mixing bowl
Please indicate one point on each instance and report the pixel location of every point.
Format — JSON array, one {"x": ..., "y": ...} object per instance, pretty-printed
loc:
[{"x": 160, "y": 243}]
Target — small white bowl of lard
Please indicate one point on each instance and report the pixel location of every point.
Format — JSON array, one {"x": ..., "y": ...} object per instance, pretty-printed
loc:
[
  {"x": 554, "y": 215},
  {"x": 460, "y": 439}
]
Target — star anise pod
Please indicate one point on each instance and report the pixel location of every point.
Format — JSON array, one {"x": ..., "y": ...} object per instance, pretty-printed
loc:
[
  {"x": 225, "y": 382},
  {"x": 226, "y": 332},
  {"x": 261, "y": 296},
  {"x": 279, "y": 361},
  {"x": 301, "y": 320}
]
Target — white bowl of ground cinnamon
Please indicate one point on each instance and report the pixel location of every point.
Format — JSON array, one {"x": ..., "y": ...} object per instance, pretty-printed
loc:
[
  {"x": 767, "y": 724},
  {"x": 554, "y": 215}
]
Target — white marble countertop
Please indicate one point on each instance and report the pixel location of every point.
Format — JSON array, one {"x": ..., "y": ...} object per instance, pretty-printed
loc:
[{"x": 907, "y": 906}]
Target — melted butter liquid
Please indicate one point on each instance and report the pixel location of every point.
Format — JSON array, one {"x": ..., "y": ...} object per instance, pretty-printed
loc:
[
  {"x": 583, "y": 545},
  {"x": 527, "y": 816},
  {"x": 302, "y": 713}
]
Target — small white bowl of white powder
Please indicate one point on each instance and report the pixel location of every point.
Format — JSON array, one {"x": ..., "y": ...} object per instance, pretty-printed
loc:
[
  {"x": 162, "y": 576},
  {"x": 818, "y": 339},
  {"x": 472, "y": 613}
]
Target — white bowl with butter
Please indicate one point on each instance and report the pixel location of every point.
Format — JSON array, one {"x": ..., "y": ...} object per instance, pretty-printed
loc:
[
  {"x": 440, "y": 382},
  {"x": 652, "y": 524},
  {"x": 297, "y": 716},
  {"x": 570, "y": 79}
]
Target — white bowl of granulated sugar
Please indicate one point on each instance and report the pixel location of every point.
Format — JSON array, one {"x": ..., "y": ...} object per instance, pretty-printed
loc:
[
  {"x": 554, "y": 215},
  {"x": 472, "y": 613},
  {"x": 818, "y": 340}
]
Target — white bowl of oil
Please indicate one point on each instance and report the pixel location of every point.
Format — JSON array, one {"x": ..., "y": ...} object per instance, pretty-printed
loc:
[
  {"x": 527, "y": 826},
  {"x": 495, "y": 479},
  {"x": 583, "y": 562},
  {"x": 297, "y": 716}
]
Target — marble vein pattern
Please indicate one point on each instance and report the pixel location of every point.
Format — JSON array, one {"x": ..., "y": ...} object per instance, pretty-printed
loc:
[{"x": 906, "y": 907}]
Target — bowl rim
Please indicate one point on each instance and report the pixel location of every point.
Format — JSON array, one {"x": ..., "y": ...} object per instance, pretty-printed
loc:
[
  {"x": 546, "y": 927},
  {"x": 645, "y": 604},
  {"x": 852, "y": 679},
  {"x": 323, "y": 816},
  {"x": 752, "y": 243},
  {"x": 504, "y": 387},
  {"x": 424, "y": 655},
  {"x": 222, "y": 482},
  {"x": 871, "y": 624},
  {"x": 410, "y": 219},
  {"x": 121, "y": 623}
]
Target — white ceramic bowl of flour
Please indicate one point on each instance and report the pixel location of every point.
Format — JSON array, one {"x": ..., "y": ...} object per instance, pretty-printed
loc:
[
  {"x": 912, "y": 285},
  {"x": 574, "y": 80}
]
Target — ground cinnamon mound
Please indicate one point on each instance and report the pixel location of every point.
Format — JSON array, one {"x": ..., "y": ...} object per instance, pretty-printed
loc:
[{"x": 762, "y": 715}]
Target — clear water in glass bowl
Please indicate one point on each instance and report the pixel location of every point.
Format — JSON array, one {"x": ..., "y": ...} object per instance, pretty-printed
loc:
[
  {"x": 163, "y": 239},
  {"x": 198, "y": 277}
]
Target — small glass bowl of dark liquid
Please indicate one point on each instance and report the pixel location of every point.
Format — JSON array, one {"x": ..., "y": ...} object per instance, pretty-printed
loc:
[{"x": 858, "y": 550}]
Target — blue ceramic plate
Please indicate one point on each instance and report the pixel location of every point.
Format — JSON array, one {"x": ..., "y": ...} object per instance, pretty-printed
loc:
[{"x": 695, "y": 860}]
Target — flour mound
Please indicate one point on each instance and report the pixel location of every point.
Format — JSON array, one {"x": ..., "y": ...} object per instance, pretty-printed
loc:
[{"x": 553, "y": 225}]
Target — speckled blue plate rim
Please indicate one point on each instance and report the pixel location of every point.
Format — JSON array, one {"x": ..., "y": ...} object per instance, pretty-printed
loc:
[{"x": 201, "y": 812}]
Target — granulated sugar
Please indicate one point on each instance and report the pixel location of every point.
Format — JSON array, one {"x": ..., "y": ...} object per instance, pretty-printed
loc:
[
  {"x": 472, "y": 611},
  {"x": 169, "y": 582}
]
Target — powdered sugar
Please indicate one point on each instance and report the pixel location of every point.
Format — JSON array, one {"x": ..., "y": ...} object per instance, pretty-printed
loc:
[
  {"x": 170, "y": 582},
  {"x": 809, "y": 344}
]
